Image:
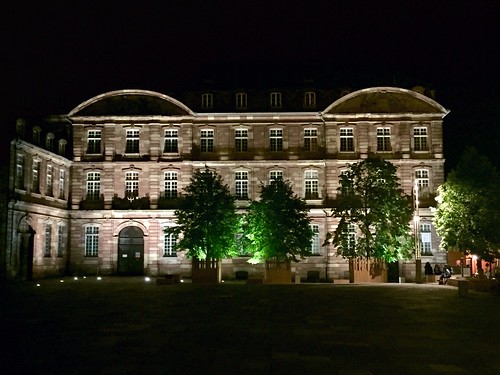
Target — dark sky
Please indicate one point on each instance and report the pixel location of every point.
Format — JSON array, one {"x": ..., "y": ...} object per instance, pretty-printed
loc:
[{"x": 55, "y": 56}]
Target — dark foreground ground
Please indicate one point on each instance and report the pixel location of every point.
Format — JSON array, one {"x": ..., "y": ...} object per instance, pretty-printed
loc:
[{"x": 129, "y": 326}]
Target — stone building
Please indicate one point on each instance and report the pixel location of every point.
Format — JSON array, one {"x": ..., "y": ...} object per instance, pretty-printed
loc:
[{"x": 91, "y": 192}]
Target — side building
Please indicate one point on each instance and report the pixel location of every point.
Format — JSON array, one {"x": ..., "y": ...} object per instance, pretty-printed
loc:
[{"x": 94, "y": 190}]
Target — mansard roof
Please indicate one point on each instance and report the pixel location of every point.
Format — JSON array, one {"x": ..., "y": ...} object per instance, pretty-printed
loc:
[
  {"x": 385, "y": 100},
  {"x": 131, "y": 103}
]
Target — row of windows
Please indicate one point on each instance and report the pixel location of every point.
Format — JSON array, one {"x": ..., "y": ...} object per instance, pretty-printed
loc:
[
  {"x": 275, "y": 100},
  {"x": 241, "y": 183},
  {"x": 241, "y": 136},
  {"x": 50, "y": 175},
  {"x": 169, "y": 242},
  {"x": 50, "y": 142}
]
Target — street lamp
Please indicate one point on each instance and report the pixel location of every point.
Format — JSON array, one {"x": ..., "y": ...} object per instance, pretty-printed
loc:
[{"x": 416, "y": 228}]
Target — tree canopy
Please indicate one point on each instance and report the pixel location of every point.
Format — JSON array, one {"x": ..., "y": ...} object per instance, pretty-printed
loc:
[
  {"x": 277, "y": 225},
  {"x": 207, "y": 219},
  {"x": 468, "y": 214},
  {"x": 374, "y": 213}
]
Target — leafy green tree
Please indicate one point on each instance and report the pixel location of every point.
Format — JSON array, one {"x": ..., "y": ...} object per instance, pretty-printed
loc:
[
  {"x": 371, "y": 201},
  {"x": 277, "y": 225},
  {"x": 207, "y": 218},
  {"x": 468, "y": 214}
]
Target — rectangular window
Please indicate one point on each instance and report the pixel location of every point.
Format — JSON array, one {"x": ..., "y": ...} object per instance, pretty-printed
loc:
[
  {"x": 60, "y": 240},
  {"x": 49, "y": 190},
  {"x": 62, "y": 183},
  {"x": 310, "y": 99},
  {"x": 241, "y": 140},
  {"x": 170, "y": 184},
  {"x": 207, "y": 140},
  {"x": 315, "y": 239},
  {"x": 35, "y": 180},
  {"x": 422, "y": 178},
  {"x": 94, "y": 142},
  {"x": 346, "y": 139},
  {"x": 48, "y": 240},
  {"x": 425, "y": 239},
  {"x": 131, "y": 185},
  {"x": 276, "y": 139},
  {"x": 420, "y": 139},
  {"x": 346, "y": 187},
  {"x": 92, "y": 241},
  {"x": 275, "y": 98},
  {"x": 383, "y": 139},
  {"x": 93, "y": 185},
  {"x": 351, "y": 237},
  {"x": 19, "y": 171},
  {"x": 311, "y": 184},
  {"x": 132, "y": 141},
  {"x": 207, "y": 101},
  {"x": 275, "y": 175},
  {"x": 241, "y": 185},
  {"x": 310, "y": 139},
  {"x": 241, "y": 100},
  {"x": 170, "y": 245},
  {"x": 171, "y": 141}
]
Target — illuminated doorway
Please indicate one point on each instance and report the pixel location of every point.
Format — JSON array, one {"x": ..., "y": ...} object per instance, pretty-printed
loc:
[{"x": 131, "y": 252}]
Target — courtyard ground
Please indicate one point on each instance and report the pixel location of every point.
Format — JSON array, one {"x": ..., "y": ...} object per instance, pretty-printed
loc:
[{"x": 130, "y": 326}]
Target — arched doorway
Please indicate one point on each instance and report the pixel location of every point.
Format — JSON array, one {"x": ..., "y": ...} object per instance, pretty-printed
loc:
[
  {"x": 26, "y": 246},
  {"x": 131, "y": 251}
]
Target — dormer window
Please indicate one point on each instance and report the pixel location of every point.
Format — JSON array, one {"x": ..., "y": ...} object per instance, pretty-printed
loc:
[
  {"x": 36, "y": 135},
  {"x": 241, "y": 100},
  {"x": 207, "y": 101},
  {"x": 310, "y": 99},
  {"x": 275, "y": 98},
  {"x": 62, "y": 147},
  {"x": 49, "y": 142}
]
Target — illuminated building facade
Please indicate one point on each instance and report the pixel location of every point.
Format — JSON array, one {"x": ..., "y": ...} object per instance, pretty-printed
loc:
[{"x": 92, "y": 191}]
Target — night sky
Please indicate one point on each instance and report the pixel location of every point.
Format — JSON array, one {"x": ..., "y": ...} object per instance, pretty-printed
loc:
[{"x": 54, "y": 57}]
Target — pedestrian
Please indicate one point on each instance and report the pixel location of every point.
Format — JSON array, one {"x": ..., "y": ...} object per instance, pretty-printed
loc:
[{"x": 428, "y": 269}]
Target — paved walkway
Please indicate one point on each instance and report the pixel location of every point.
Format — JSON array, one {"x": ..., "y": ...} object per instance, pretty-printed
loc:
[{"x": 129, "y": 326}]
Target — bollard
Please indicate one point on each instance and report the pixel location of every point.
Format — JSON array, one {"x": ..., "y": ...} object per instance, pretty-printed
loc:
[{"x": 463, "y": 288}]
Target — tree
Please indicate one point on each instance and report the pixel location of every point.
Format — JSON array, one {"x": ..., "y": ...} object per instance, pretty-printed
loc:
[
  {"x": 372, "y": 204},
  {"x": 468, "y": 214},
  {"x": 277, "y": 225},
  {"x": 207, "y": 218}
]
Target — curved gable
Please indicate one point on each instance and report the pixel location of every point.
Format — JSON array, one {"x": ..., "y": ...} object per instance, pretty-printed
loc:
[
  {"x": 378, "y": 100},
  {"x": 131, "y": 103}
]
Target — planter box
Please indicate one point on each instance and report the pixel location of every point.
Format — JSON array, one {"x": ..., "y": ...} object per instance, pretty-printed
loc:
[
  {"x": 367, "y": 271},
  {"x": 206, "y": 271},
  {"x": 277, "y": 273}
]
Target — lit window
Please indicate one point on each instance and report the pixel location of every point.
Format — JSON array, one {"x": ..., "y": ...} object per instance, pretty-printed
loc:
[
  {"x": 170, "y": 242},
  {"x": 170, "y": 184},
  {"x": 315, "y": 239},
  {"x": 207, "y": 101},
  {"x": 275, "y": 98},
  {"x": 48, "y": 240},
  {"x": 310, "y": 140},
  {"x": 60, "y": 240},
  {"x": 241, "y": 100},
  {"x": 132, "y": 141},
  {"x": 425, "y": 239},
  {"x": 92, "y": 241},
  {"x": 94, "y": 142},
  {"x": 276, "y": 139},
  {"x": 310, "y": 99},
  {"x": 241, "y": 185},
  {"x": 35, "y": 179},
  {"x": 19, "y": 171},
  {"x": 93, "y": 185},
  {"x": 346, "y": 139},
  {"x": 207, "y": 140},
  {"x": 131, "y": 185},
  {"x": 62, "y": 183},
  {"x": 383, "y": 139},
  {"x": 420, "y": 139},
  {"x": 241, "y": 140},
  {"x": 275, "y": 175},
  {"x": 171, "y": 140},
  {"x": 422, "y": 179},
  {"x": 49, "y": 190},
  {"x": 351, "y": 237},
  {"x": 311, "y": 184}
]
